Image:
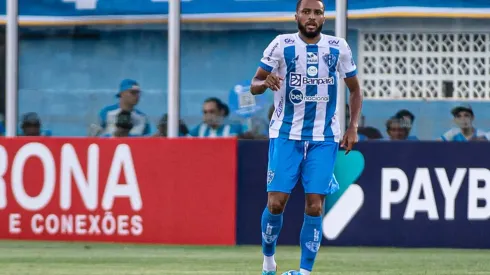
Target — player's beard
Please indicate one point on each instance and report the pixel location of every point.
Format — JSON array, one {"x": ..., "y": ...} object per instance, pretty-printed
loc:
[{"x": 313, "y": 34}]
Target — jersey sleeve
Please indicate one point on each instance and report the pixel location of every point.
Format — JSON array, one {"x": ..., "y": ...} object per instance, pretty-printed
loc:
[
  {"x": 347, "y": 66},
  {"x": 271, "y": 56}
]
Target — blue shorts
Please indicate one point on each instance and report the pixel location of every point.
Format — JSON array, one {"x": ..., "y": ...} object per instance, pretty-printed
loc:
[{"x": 313, "y": 161}]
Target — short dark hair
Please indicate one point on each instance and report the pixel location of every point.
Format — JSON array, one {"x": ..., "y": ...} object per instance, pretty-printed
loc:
[
  {"x": 221, "y": 106},
  {"x": 299, "y": 4},
  {"x": 405, "y": 112}
]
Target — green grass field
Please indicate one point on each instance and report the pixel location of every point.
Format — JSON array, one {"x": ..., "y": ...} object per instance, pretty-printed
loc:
[{"x": 44, "y": 258}]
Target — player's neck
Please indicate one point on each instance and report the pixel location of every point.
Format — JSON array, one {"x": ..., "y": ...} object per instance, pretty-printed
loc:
[
  {"x": 125, "y": 107},
  {"x": 307, "y": 40}
]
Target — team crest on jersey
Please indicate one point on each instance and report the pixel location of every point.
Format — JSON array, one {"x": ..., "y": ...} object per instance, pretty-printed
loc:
[
  {"x": 330, "y": 60},
  {"x": 311, "y": 58}
]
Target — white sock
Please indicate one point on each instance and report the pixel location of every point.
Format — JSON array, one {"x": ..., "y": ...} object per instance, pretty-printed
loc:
[
  {"x": 304, "y": 272},
  {"x": 269, "y": 263}
]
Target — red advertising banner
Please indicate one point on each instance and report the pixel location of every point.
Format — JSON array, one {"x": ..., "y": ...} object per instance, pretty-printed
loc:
[{"x": 144, "y": 190}]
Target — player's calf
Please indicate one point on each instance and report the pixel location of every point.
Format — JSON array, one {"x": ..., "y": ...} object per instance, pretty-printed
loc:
[
  {"x": 311, "y": 232},
  {"x": 271, "y": 227}
]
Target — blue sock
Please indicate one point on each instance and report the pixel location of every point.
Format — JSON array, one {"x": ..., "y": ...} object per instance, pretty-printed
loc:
[
  {"x": 271, "y": 226},
  {"x": 310, "y": 239}
]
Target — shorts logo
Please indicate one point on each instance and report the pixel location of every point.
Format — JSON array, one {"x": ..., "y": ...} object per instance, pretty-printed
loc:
[
  {"x": 270, "y": 176},
  {"x": 330, "y": 60},
  {"x": 297, "y": 97},
  {"x": 312, "y": 71},
  {"x": 311, "y": 58},
  {"x": 298, "y": 80}
]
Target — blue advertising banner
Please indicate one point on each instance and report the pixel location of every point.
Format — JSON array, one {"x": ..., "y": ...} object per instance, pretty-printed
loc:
[
  {"x": 63, "y": 12},
  {"x": 403, "y": 194}
]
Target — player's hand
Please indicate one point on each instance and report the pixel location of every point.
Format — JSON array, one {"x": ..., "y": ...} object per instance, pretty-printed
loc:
[
  {"x": 349, "y": 139},
  {"x": 273, "y": 82}
]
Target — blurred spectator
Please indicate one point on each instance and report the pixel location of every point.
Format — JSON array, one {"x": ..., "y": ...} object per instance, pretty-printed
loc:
[
  {"x": 463, "y": 118},
  {"x": 162, "y": 127},
  {"x": 123, "y": 124},
  {"x": 214, "y": 125},
  {"x": 396, "y": 129},
  {"x": 369, "y": 133},
  {"x": 129, "y": 95},
  {"x": 31, "y": 125},
  {"x": 409, "y": 118}
]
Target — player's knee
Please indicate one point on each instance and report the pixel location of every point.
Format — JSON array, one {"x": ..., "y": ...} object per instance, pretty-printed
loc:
[
  {"x": 314, "y": 209},
  {"x": 276, "y": 206}
]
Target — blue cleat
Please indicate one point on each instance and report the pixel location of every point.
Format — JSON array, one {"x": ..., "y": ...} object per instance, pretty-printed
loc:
[
  {"x": 269, "y": 272},
  {"x": 292, "y": 272}
]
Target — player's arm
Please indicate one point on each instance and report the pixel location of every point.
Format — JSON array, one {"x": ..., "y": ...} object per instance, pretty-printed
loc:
[
  {"x": 265, "y": 77},
  {"x": 348, "y": 70},
  {"x": 355, "y": 100}
]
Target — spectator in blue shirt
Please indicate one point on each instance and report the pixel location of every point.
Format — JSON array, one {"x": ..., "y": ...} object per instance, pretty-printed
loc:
[
  {"x": 214, "y": 124},
  {"x": 409, "y": 118},
  {"x": 463, "y": 118},
  {"x": 129, "y": 95}
]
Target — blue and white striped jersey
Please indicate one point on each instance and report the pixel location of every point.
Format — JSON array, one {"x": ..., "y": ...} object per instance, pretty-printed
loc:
[
  {"x": 108, "y": 117},
  {"x": 455, "y": 134},
  {"x": 306, "y": 104},
  {"x": 224, "y": 130}
]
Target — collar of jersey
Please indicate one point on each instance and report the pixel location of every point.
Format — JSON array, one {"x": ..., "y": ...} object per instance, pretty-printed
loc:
[{"x": 306, "y": 44}]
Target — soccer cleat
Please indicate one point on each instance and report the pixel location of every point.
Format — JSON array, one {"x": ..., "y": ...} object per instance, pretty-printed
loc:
[
  {"x": 269, "y": 272},
  {"x": 292, "y": 272}
]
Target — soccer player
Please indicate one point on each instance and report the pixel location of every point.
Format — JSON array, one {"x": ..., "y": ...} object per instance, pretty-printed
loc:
[{"x": 303, "y": 70}]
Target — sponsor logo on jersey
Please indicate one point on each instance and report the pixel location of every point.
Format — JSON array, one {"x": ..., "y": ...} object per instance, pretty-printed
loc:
[
  {"x": 298, "y": 80},
  {"x": 289, "y": 41},
  {"x": 311, "y": 58},
  {"x": 312, "y": 71},
  {"x": 273, "y": 49},
  {"x": 297, "y": 97}
]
